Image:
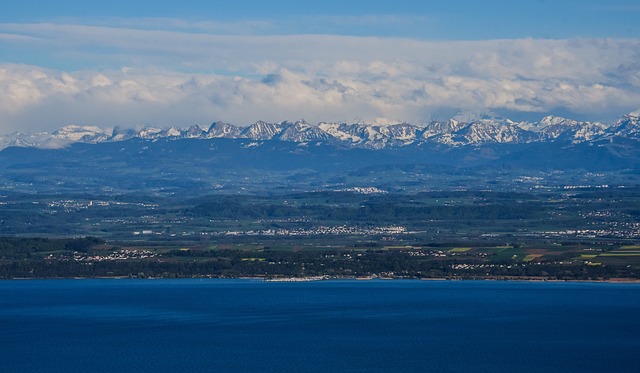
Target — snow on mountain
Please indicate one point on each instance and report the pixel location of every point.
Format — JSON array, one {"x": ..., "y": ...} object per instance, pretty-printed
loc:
[
  {"x": 172, "y": 132},
  {"x": 554, "y": 121},
  {"x": 39, "y": 140},
  {"x": 74, "y": 133},
  {"x": 223, "y": 130},
  {"x": 482, "y": 132},
  {"x": 149, "y": 133},
  {"x": 628, "y": 126},
  {"x": 374, "y": 133},
  {"x": 194, "y": 132},
  {"x": 589, "y": 131},
  {"x": 403, "y": 133},
  {"x": 553, "y": 127},
  {"x": 478, "y": 132},
  {"x": 353, "y": 134},
  {"x": 262, "y": 131},
  {"x": 372, "y": 136},
  {"x": 302, "y": 131},
  {"x": 56, "y": 139},
  {"x": 121, "y": 134},
  {"x": 440, "y": 128}
]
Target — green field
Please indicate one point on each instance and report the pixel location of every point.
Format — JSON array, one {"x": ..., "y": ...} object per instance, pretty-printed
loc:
[{"x": 459, "y": 249}]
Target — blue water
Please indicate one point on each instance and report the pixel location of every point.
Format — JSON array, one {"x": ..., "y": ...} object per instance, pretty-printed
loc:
[{"x": 347, "y": 326}]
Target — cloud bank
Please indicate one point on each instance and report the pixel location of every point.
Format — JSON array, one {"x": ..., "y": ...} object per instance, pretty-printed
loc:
[{"x": 117, "y": 76}]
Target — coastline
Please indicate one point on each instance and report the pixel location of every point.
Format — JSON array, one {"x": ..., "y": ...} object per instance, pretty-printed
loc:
[{"x": 339, "y": 278}]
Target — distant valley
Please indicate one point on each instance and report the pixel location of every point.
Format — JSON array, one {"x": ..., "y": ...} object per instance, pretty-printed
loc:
[{"x": 555, "y": 199}]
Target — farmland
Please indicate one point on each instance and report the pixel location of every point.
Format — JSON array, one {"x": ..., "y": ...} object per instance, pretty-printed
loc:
[{"x": 548, "y": 234}]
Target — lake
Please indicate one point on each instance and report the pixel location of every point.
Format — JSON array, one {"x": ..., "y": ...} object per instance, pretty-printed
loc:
[{"x": 215, "y": 325}]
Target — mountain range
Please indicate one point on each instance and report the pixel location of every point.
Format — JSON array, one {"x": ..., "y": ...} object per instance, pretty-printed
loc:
[
  {"x": 490, "y": 153},
  {"x": 450, "y": 133}
]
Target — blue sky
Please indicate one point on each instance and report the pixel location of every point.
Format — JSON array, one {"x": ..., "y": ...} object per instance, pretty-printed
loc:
[
  {"x": 192, "y": 62},
  {"x": 435, "y": 19}
]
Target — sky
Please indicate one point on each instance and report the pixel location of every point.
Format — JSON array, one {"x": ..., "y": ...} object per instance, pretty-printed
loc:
[{"x": 164, "y": 63}]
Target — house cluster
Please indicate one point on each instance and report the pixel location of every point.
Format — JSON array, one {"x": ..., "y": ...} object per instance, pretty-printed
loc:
[
  {"x": 75, "y": 205},
  {"x": 123, "y": 254},
  {"x": 320, "y": 230},
  {"x": 629, "y": 230}
]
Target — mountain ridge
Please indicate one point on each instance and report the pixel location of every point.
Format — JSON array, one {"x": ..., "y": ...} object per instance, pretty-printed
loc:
[{"x": 451, "y": 133}]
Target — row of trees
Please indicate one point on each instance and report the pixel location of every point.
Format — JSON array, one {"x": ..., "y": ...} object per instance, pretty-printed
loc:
[
  {"x": 275, "y": 263},
  {"x": 20, "y": 248}
]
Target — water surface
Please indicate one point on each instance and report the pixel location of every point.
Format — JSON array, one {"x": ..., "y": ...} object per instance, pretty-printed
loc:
[{"x": 351, "y": 326}]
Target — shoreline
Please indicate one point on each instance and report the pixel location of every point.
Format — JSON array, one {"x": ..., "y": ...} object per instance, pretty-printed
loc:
[{"x": 329, "y": 278}]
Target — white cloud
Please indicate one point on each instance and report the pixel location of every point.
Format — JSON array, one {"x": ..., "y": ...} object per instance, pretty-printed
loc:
[
  {"x": 135, "y": 77},
  {"x": 239, "y": 27}
]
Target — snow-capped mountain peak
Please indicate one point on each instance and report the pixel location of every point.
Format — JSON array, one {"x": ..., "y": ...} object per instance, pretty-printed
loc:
[
  {"x": 173, "y": 132},
  {"x": 551, "y": 120},
  {"x": 554, "y": 127},
  {"x": 262, "y": 131},
  {"x": 348, "y": 133},
  {"x": 77, "y": 133},
  {"x": 221, "y": 129},
  {"x": 150, "y": 133},
  {"x": 302, "y": 131},
  {"x": 194, "y": 132},
  {"x": 628, "y": 126},
  {"x": 442, "y": 128}
]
